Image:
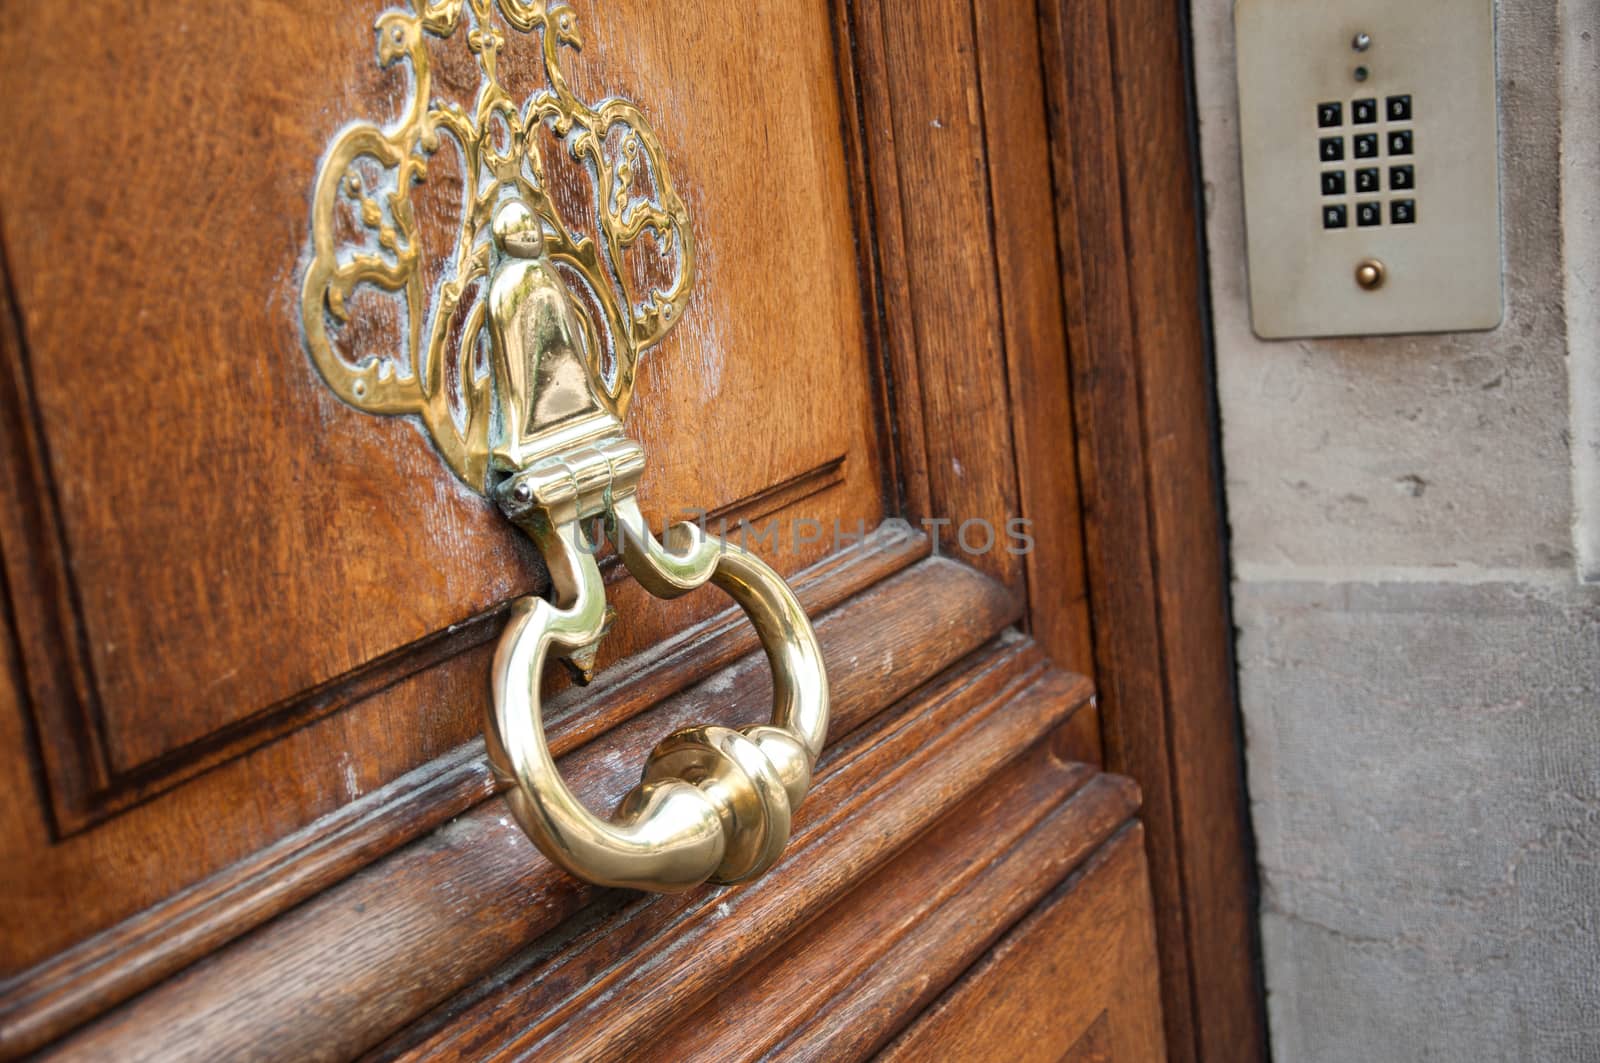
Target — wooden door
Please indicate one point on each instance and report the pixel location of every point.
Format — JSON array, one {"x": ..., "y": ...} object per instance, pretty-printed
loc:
[{"x": 247, "y": 810}]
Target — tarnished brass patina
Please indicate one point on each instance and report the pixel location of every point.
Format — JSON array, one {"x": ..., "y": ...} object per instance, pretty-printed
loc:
[{"x": 542, "y": 435}]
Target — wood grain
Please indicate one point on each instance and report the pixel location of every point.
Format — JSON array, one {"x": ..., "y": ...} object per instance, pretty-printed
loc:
[
  {"x": 1162, "y": 192},
  {"x": 72, "y": 986},
  {"x": 321, "y": 981},
  {"x": 916, "y": 73},
  {"x": 1126, "y": 224},
  {"x": 881, "y": 257},
  {"x": 1081, "y": 968},
  {"x": 934, "y": 911},
  {"x": 1026, "y": 262},
  {"x": 1111, "y": 462},
  {"x": 610, "y": 993},
  {"x": 304, "y": 539}
]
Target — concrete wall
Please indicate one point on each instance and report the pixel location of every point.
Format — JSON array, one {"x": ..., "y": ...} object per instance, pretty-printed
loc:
[{"x": 1419, "y": 664}]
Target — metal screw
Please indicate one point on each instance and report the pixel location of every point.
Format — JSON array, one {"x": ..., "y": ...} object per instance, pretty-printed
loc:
[
  {"x": 1370, "y": 274},
  {"x": 523, "y": 492},
  {"x": 1362, "y": 42}
]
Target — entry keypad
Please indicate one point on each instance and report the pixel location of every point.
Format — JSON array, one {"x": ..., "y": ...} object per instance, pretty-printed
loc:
[{"x": 1381, "y": 139}]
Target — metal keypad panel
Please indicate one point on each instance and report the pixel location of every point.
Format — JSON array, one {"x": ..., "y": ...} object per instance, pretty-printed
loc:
[{"x": 1369, "y": 147}]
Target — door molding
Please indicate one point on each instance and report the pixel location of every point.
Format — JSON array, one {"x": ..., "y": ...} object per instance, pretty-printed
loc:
[
  {"x": 1127, "y": 191},
  {"x": 1108, "y": 353}
]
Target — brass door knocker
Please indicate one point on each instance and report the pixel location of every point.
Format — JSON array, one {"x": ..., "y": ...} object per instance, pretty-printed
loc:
[
  {"x": 713, "y": 802},
  {"x": 541, "y": 433}
]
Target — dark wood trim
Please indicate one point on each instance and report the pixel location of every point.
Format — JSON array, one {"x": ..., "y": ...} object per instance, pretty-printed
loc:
[
  {"x": 1128, "y": 228},
  {"x": 1128, "y": 581},
  {"x": 43, "y": 596},
  {"x": 899, "y": 440},
  {"x": 957, "y": 177}
]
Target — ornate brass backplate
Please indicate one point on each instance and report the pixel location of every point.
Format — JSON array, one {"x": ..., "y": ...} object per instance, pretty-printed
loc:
[
  {"x": 365, "y": 231},
  {"x": 539, "y": 430}
]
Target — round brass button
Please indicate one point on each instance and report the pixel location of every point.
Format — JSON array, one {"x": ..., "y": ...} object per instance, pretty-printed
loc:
[{"x": 1370, "y": 274}]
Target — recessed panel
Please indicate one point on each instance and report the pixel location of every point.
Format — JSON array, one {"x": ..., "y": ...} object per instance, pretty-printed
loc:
[{"x": 239, "y": 549}]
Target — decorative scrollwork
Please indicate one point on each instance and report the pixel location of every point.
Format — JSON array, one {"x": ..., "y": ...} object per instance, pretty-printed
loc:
[{"x": 500, "y": 156}]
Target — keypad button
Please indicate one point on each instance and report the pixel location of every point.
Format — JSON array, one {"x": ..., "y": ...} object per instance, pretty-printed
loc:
[
  {"x": 1331, "y": 149},
  {"x": 1333, "y": 182},
  {"x": 1330, "y": 115},
  {"x": 1364, "y": 112},
  {"x": 1369, "y": 214},
  {"x": 1402, "y": 178},
  {"x": 1335, "y": 217},
  {"x": 1403, "y": 211},
  {"x": 1399, "y": 108},
  {"x": 1366, "y": 145},
  {"x": 1400, "y": 142},
  {"x": 1367, "y": 179}
]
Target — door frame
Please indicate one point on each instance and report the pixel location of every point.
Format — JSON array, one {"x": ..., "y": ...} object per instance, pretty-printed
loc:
[
  {"x": 1082, "y": 112},
  {"x": 1129, "y": 192}
]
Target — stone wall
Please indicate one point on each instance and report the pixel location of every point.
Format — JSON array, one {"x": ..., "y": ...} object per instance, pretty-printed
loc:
[{"x": 1419, "y": 662}]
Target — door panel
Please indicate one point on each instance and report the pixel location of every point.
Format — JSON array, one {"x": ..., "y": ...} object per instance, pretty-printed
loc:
[
  {"x": 226, "y": 553},
  {"x": 402, "y": 816},
  {"x": 248, "y": 808},
  {"x": 235, "y": 540}
]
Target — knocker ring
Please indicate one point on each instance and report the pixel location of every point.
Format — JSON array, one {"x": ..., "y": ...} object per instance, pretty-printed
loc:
[{"x": 713, "y": 802}]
